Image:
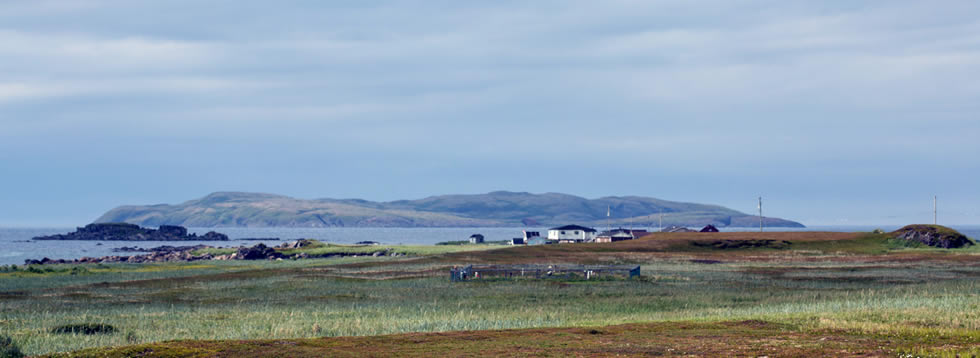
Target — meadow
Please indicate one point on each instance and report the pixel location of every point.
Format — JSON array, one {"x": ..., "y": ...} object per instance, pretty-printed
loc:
[{"x": 853, "y": 288}]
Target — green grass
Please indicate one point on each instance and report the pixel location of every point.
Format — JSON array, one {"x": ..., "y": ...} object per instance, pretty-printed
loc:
[
  {"x": 864, "y": 286},
  {"x": 261, "y": 300}
]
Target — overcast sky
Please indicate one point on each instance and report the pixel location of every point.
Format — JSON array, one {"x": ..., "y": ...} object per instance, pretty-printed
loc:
[{"x": 837, "y": 112}]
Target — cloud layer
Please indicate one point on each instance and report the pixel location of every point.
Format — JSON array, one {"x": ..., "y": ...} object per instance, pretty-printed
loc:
[{"x": 838, "y": 111}]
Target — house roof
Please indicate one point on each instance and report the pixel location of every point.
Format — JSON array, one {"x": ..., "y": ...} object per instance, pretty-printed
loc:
[
  {"x": 573, "y": 227},
  {"x": 476, "y": 235}
]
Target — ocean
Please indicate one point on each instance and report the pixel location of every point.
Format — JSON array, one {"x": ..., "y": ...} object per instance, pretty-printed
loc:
[{"x": 16, "y": 244}]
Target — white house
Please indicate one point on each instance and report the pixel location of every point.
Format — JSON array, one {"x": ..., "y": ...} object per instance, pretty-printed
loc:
[{"x": 571, "y": 234}]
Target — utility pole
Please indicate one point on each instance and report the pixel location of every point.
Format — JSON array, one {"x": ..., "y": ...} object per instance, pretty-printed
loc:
[
  {"x": 661, "y": 220},
  {"x": 608, "y": 212},
  {"x": 935, "y": 210},
  {"x": 760, "y": 214}
]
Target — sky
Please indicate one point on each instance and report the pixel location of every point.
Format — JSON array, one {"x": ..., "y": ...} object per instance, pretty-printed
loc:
[{"x": 836, "y": 112}]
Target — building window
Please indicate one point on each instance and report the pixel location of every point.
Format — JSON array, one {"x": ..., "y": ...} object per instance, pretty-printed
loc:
[
  {"x": 563, "y": 233},
  {"x": 576, "y": 233}
]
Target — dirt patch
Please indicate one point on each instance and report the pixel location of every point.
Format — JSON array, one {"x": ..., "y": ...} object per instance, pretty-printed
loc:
[
  {"x": 84, "y": 328},
  {"x": 741, "y": 338},
  {"x": 705, "y": 261},
  {"x": 743, "y": 244}
]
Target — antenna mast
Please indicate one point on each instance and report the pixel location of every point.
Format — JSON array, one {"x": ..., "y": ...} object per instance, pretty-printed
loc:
[{"x": 760, "y": 214}]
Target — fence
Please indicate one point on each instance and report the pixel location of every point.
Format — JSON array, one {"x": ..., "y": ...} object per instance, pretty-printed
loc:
[{"x": 588, "y": 272}]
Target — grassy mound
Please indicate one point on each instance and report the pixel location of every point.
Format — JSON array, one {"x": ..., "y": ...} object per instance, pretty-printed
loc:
[{"x": 932, "y": 235}]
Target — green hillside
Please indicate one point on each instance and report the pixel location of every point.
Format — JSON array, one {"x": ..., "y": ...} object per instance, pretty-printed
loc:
[{"x": 491, "y": 209}]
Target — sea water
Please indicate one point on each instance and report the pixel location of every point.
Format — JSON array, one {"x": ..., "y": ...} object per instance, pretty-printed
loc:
[{"x": 16, "y": 244}]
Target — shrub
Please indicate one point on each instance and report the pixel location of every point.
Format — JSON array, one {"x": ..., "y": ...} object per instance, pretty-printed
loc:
[
  {"x": 9, "y": 349},
  {"x": 84, "y": 328}
]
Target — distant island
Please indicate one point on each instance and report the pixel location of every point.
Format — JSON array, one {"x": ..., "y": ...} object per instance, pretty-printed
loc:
[
  {"x": 495, "y": 209},
  {"x": 131, "y": 232}
]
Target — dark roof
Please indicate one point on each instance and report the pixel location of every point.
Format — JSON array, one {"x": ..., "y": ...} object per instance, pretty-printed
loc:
[
  {"x": 573, "y": 227},
  {"x": 476, "y": 235},
  {"x": 709, "y": 228}
]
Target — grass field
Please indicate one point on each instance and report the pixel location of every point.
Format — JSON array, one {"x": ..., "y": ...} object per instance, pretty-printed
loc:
[{"x": 804, "y": 294}]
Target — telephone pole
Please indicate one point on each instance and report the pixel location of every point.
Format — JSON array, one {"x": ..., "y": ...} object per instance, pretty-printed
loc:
[
  {"x": 608, "y": 212},
  {"x": 935, "y": 210},
  {"x": 661, "y": 220},
  {"x": 760, "y": 214}
]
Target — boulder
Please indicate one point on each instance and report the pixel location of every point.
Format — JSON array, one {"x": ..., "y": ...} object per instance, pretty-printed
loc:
[
  {"x": 257, "y": 252},
  {"x": 932, "y": 235}
]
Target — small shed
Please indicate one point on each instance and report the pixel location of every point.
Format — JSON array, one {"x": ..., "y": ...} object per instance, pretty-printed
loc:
[{"x": 476, "y": 239}]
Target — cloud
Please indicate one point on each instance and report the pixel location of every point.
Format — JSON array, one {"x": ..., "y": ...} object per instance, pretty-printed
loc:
[{"x": 784, "y": 94}]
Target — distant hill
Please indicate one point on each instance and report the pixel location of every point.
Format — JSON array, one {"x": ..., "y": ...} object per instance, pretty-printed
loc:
[{"x": 500, "y": 208}]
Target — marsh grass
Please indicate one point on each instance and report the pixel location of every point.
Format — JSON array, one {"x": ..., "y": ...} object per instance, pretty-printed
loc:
[
  {"x": 8, "y": 348},
  {"x": 344, "y": 296}
]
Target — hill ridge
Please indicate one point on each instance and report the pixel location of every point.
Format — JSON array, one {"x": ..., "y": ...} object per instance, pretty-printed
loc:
[{"x": 497, "y": 208}]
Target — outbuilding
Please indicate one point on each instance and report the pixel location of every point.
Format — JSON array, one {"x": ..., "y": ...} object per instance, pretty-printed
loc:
[
  {"x": 572, "y": 234},
  {"x": 476, "y": 239}
]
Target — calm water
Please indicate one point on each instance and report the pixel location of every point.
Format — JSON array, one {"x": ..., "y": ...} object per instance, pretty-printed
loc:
[{"x": 16, "y": 244}]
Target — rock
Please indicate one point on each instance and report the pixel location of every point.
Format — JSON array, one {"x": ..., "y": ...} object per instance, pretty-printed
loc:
[
  {"x": 171, "y": 230},
  {"x": 214, "y": 236},
  {"x": 163, "y": 249},
  {"x": 257, "y": 252},
  {"x": 130, "y": 232},
  {"x": 301, "y": 243},
  {"x": 933, "y": 235},
  {"x": 709, "y": 228}
]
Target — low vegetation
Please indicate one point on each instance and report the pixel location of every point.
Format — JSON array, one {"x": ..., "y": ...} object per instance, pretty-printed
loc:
[
  {"x": 837, "y": 294},
  {"x": 9, "y": 349},
  {"x": 84, "y": 328}
]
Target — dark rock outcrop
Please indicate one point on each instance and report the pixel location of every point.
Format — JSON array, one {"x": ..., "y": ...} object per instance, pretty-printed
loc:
[
  {"x": 709, "y": 228},
  {"x": 214, "y": 236},
  {"x": 257, "y": 252},
  {"x": 130, "y": 232},
  {"x": 932, "y": 235}
]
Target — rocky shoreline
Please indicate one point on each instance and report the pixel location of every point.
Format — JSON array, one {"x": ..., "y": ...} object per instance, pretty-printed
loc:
[{"x": 187, "y": 254}]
